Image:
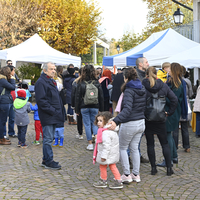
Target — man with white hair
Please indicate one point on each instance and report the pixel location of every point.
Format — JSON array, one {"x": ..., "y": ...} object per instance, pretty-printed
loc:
[{"x": 51, "y": 112}]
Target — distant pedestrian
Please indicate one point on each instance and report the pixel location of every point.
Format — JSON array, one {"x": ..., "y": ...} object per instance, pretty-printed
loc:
[
  {"x": 106, "y": 151},
  {"x": 89, "y": 101},
  {"x": 38, "y": 125},
  {"x": 6, "y": 86},
  {"x": 164, "y": 72},
  {"x": 21, "y": 108},
  {"x": 116, "y": 90}
]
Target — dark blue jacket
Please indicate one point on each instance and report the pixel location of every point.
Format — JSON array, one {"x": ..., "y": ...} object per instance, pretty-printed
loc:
[
  {"x": 35, "y": 109},
  {"x": 133, "y": 103},
  {"x": 9, "y": 86},
  {"x": 184, "y": 103},
  {"x": 67, "y": 83},
  {"x": 50, "y": 106}
]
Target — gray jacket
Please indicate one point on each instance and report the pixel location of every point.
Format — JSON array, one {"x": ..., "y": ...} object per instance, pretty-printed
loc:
[{"x": 21, "y": 108}]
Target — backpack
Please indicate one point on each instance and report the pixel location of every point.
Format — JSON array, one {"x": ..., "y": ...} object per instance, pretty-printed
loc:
[
  {"x": 91, "y": 94},
  {"x": 155, "y": 108}
]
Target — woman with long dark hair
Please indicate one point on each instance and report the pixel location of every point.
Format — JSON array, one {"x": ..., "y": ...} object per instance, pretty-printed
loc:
[
  {"x": 87, "y": 109},
  {"x": 176, "y": 84},
  {"x": 6, "y": 86},
  {"x": 132, "y": 121},
  {"x": 153, "y": 86}
]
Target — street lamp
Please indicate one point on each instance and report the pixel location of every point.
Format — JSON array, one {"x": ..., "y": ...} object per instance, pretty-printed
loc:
[
  {"x": 118, "y": 48},
  {"x": 178, "y": 16}
]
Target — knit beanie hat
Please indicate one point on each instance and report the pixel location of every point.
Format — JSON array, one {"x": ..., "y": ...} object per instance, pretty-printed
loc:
[{"x": 21, "y": 93}]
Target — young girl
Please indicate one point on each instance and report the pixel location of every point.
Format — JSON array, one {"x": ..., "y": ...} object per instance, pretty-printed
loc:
[{"x": 107, "y": 151}]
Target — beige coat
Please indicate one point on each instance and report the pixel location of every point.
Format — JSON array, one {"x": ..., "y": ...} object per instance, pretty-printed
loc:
[
  {"x": 197, "y": 101},
  {"x": 109, "y": 148}
]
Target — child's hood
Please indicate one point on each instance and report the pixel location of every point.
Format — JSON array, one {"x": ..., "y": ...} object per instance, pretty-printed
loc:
[
  {"x": 19, "y": 103},
  {"x": 108, "y": 125}
]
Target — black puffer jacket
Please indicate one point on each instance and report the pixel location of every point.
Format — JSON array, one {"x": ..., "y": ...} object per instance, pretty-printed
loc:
[
  {"x": 133, "y": 103},
  {"x": 163, "y": 90},
  {"x": 80, "y": 93}
]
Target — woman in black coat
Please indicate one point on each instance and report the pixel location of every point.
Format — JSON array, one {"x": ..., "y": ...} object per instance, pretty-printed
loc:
[
  {"x": 154, "y": 85},
  {"x": 68, "y": 79}
]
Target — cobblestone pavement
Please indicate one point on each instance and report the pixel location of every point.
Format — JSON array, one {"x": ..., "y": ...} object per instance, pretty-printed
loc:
[{"x": 22, "y": 177}]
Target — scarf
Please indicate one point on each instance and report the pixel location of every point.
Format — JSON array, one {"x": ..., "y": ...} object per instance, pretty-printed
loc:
[
  {"x": 54, "y": 82},
  {"x": 99, "y": 140}
]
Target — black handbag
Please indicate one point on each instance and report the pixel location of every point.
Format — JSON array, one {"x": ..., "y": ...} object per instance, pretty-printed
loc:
[
  {"x": 155, "y": 108},
  {"x": 63, "y": 95}
]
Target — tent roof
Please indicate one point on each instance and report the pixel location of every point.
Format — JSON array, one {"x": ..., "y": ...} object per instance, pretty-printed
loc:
[
  {"x": 189, "y": 58},
  {"x": 157, "y": 47},
  {"x": 36, "y": 50}
]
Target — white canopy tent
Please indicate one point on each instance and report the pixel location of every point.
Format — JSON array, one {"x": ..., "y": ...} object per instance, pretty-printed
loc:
[
  {"x": 157, "y": 47},
  {"x": 189, "y": 58},
  {"x": 36, "y": 50}
]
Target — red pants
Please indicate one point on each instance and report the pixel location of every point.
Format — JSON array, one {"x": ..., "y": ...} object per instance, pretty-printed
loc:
[
  {"x": 38, "y": 129},
  {"x": 114, "y": 170}
]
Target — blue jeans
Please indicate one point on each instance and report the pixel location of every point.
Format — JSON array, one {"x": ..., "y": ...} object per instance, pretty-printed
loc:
[
  {"x": 70, "y": 111},
  {"x": 48, "y": 133},
  {"x": 11, "y": 121},
  {"x": 198, "y": 123},
  {"x": 4, "y": 110},
  {"x": 172, "y": 146},
  {"x": 88, "y": 115},
  {"x": 59, "y": 132},
  {"x": 22, "y": 133}
]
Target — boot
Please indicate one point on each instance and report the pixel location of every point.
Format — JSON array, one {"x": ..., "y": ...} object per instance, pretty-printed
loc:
[
  {"x": 61, "y": 142},
  {"x": 56, "y": 143},
  {"x": 4, "y": 142},
  {"x": 153, "y": 171},
  {"x": 73, "y": 122},
  {"x": 69, "y": 120},
  {"x": 169, "y": 171},
  {"x": 143, "y": 160}
]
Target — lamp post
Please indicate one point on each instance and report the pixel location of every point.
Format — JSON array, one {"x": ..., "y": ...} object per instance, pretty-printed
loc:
[
  {"x": 118, "y": 48},
  {"x": 178, "y": 17}
]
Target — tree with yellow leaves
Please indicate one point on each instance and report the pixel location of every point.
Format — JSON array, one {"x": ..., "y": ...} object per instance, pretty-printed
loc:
[{"x": 66, "y": 25}]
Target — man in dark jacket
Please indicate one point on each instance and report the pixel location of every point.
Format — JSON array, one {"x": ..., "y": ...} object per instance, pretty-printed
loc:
[
  {"x": 116, "y": 90},
  {"x": 142, "y": 65},
  {"x": 50, "y": 109}
]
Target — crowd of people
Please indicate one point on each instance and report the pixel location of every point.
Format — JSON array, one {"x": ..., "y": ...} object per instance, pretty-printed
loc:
[{"x": 116, "y": 111}]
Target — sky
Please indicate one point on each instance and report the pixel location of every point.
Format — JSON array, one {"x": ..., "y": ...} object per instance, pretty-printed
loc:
[{"x": 120, "y": 16}]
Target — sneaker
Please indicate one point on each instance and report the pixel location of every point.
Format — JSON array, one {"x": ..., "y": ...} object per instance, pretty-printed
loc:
[
  {"x": 90, "y": 147},
  {"x": 43, "y": 164},
  {"x": 23, "y": 146},
  {"x": 13, "y": 136},
  {"x": 100, "y": 184},
  {"x": 136, "y": 178},
  {"x": 77, "y": 136},
  {"x": 53, "y": 165},
  {"x": 116, "y": 185},
  {"x": 19, "y": 144},
  {"x": 80, "y": 137},
  {"x": 36, "y": 142},
  {"x": 126, "y": 179}
]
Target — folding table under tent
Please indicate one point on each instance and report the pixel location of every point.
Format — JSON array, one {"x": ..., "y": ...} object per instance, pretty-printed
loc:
[
  {"x": 158, "y": 47},
  {"x": 36, "y": 50}
]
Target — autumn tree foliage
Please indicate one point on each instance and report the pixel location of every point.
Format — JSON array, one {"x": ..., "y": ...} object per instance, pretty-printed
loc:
[
  {"x": 18, "y": 21},
  {"x": 66, "y": 25},
  {"x": 160, "y": 17}
]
